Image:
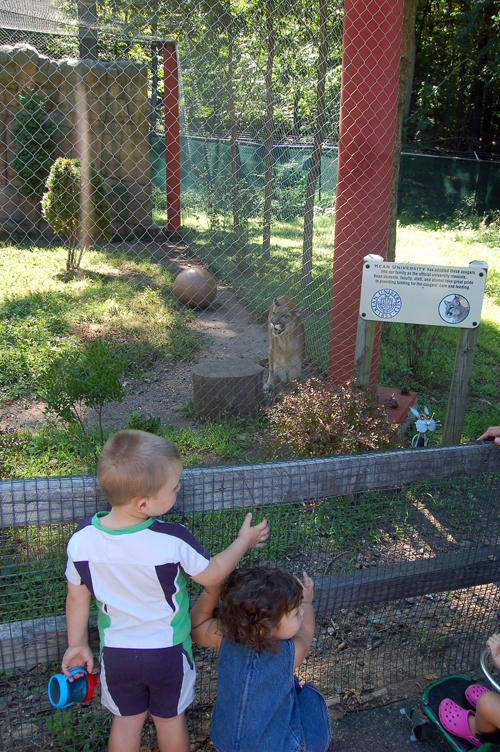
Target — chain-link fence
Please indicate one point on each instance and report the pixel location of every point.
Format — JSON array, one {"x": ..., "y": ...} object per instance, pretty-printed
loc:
[
  {"x": 94, "y": 163},
  {"x": 99, "y": 154},
  {"x": 403, "y": 547},
  {"x": 89, "y": 153}
]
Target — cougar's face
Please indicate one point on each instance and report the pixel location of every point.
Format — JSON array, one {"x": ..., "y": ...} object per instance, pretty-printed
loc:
[{"x": 278, "y": 327}]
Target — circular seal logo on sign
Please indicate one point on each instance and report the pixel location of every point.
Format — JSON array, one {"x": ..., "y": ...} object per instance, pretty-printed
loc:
[{"x": 386, "y": 304}]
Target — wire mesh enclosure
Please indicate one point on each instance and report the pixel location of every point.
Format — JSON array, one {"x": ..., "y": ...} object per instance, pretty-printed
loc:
[
  {"x": 169, "y": 171},
  {"x": 114, "y": 116},
  {"x": 145, "y": 141},
  {"x": 404, "y": 549}
]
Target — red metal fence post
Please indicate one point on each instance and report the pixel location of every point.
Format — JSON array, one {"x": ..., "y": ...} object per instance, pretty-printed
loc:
[
  {"x": 368, "y": 110},
  {"x": 172, "y": 143}
]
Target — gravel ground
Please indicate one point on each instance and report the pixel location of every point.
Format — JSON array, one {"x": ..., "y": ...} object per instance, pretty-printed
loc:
[{"x": 383, "y": 729}]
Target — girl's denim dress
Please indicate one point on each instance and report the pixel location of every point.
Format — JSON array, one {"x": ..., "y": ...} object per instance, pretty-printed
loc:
[{"x": 261, "y": 706}]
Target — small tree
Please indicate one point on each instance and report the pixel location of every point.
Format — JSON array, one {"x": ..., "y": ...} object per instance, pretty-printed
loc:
[
  {"x": 34, "y": 135},
  {"x": 61, "y": 204},
  {"x": 88, "y": 378},
  {"x": 62, "y": 207}
]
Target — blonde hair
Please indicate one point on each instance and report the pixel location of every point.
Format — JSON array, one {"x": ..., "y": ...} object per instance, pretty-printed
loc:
[{"x": 135, "y": 463}]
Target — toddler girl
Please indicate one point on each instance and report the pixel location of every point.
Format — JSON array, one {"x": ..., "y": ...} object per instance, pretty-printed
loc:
[
  {"x": 483, "y": 725},
  {"x": 263, "y": 631}
]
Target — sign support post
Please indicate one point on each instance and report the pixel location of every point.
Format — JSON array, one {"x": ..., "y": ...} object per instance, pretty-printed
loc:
[
  {"x": 363, "y": 352},
  {"x": 460, "y": 386}
]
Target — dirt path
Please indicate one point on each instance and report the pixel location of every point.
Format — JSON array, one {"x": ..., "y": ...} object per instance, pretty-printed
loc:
[
  {"x": 228, "y": 332},
  {"x": 383, "y": 729}
]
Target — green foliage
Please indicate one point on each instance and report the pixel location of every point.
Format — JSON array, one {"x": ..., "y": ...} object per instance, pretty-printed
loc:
[
  {"x": 56, "y": 448},
  {"x": 26, "y": 344},
  {"x": 44, "y": 312},
  {"x": 29, "y": 559},
  {"x": 416, "y": 352},
  {"x": 61, "y": 207},
  {"x": 289, "y": 192},
  {"x": 139, "y": 422},
  {"x": 78, "y": 730},
  {"x": 52, "y": 448},
  {"x": 84, "y": 378},
  {"x": 160, "y": 201},
  {"x": 318, "y": 418},
  {"x": 61, "y": 202},
  {"x": 34, "y": 135},
  {"x": 454, "y": 103}
]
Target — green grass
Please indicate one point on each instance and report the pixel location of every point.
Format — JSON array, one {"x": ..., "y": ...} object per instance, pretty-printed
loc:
[
  {"x": 58, "y": 449},
  {"x": 44, "y": 311}
]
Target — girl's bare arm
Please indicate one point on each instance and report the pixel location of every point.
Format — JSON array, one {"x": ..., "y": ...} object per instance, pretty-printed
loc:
[
  {"x": 203, "y": 623},
  {"x": 304, "y": 637}
]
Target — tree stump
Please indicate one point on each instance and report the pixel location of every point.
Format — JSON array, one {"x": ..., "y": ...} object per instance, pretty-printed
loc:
[{"x": 227, "y": 388}]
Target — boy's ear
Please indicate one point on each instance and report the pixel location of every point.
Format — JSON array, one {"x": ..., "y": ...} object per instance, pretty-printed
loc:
[{"x": 141, "y": 503}]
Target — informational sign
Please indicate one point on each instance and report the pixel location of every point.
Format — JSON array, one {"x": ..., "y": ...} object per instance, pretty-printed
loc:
[{"x": 422, "y": 294}]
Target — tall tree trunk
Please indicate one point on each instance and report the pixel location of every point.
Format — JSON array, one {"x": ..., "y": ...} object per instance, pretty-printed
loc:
[
  {"x": 154, "y": 67},
  {"x": 319, "y": 137},
  {"x": 268, "y": 173},
  {"x": 87, "y": 37},
  {"x": 233, "y": 138},
  {"x": 296, "y": 117},
  {"x": 405, "y": 80}
]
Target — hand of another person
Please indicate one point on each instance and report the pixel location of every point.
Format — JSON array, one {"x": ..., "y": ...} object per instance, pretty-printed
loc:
[
  {"x": 494, "y": 645},
  {"x": 307, "y": 588},
  {"x": 493, "y": 432}
]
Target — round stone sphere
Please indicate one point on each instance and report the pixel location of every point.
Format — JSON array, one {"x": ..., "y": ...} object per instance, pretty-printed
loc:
[{"x": 195, "y": 287}]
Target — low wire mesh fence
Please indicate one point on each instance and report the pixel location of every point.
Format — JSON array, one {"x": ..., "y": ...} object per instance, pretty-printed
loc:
[{"x": 404, "y": 549}]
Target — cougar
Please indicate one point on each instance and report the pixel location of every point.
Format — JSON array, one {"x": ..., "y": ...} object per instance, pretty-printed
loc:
[
  {"x": 286, "y": 343},
  {"x": 455, "y": 310}
]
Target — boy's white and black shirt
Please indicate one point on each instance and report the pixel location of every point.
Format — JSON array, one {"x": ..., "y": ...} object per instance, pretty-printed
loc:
[{"x": 138, "y": 578}]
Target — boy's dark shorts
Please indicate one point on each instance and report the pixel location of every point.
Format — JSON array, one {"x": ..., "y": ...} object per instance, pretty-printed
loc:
[{"x": 159, "y": 680}]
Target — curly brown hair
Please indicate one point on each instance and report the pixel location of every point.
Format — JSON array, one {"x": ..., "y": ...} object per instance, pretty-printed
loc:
[{"x": 253, "y": 602}]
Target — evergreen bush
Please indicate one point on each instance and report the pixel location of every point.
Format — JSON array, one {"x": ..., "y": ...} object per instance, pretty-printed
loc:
[{"x": 61, "y": 207}]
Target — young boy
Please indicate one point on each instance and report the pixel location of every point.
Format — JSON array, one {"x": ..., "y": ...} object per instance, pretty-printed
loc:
[{"x": 135, "y": 566}]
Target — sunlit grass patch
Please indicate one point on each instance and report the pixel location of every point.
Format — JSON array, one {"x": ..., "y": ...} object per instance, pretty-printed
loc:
[{"x": 45, "y": 310}]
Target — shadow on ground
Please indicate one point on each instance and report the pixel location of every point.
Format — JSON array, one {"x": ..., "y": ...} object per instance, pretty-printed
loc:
[{"x": 383, "y": 729}]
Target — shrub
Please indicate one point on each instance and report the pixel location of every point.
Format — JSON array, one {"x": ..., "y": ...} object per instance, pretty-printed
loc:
[
  {"x": 61, "y": 206},
  {"x": 139, "y": 422},
  {"x": 289, "y": 192},
  {"x": 34, "y": 135},
  {"x": 160, "y": 200},
  {"x": 61, "y": 202},
  {"x": 318, "y": 418},
  {"x": 83, "y": 378}
]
